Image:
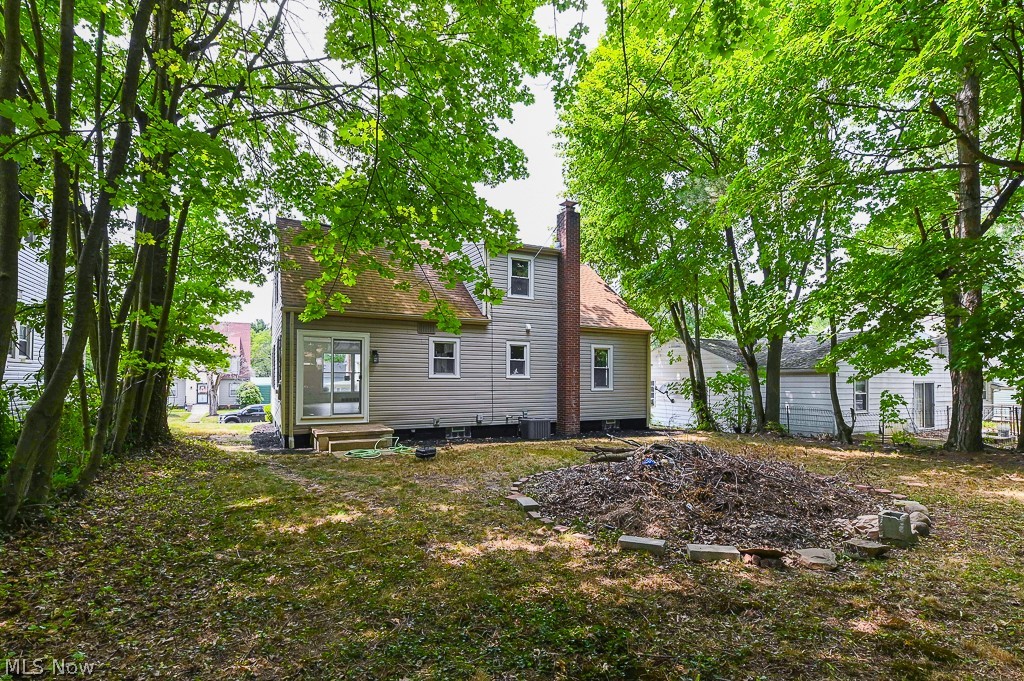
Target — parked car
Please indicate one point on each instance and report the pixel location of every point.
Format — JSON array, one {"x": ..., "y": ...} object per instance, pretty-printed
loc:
[{"x": 252, "y": 413}]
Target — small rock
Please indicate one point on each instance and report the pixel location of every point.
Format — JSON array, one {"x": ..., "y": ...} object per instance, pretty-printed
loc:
[
  {"x": 918, "y": 517},
  {"x": 817, "y": 559},
  {"x": 922, "y": 529},
  {"x": 776, "y": 563},
  {"x": 527, "y": 504},
  {"x": 911, "y": 506},
  {"x": 763, "y": 552},
  {"x": 752, "y": 559},
  {"x": 863, "y": 547},
  {"x": 705, "y": 553},
  {"x": 656, "y": 546}
]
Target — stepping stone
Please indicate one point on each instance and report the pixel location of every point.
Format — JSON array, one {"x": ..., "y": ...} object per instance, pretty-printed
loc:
[
  {"x": 560, "y": 528},
  {"x": 533, "y": 515},
  {"x": 866, "y": 548},
  {"x": 513, "y": 496},
  {"x": 899, "y": 497},
  {"x": 655, "y": 546},
  {"x": 911, "y": 506},
  {"x": 918, "y": 517},
  {"x": 527, "y": 504},
  {"x": 547, "y": 521},
  {"x": 763, "y": 552},
  {"x": 882, "y": 491},
  {"x": 817, "y": 559},
  {"x": 863, "y": 488},
  {"x": 708, "y": 553}
]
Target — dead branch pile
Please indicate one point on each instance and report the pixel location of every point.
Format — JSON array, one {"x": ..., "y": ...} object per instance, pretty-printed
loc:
[{"x": 691, "y": 493}]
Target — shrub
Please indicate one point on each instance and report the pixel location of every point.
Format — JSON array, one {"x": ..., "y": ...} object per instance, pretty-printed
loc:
[
  {"x": 249, "y": 393},
  {"x": 902, "y": 438},
  {"x": 267, "y": 415}
]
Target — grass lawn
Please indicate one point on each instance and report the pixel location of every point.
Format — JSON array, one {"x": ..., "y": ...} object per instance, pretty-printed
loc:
[
  {"x": 209, "y": 427},
  {"x": 204, "y": 563}
]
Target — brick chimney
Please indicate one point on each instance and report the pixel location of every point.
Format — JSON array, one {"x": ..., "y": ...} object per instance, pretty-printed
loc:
[{"x": 568, "y": 422}]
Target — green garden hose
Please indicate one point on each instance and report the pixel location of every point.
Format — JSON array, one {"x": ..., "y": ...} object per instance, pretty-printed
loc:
[{"x": 377, "y": 451}]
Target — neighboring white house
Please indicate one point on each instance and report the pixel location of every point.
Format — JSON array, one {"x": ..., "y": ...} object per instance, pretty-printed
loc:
[
  {"x": 25, "y": 354},
  {"x": 806, "y": 404},
  {"x": 186, "y": 392}
]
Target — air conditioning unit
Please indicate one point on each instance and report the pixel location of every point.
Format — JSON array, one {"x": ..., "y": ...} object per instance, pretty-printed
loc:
[{"x": 534, "y": 429}]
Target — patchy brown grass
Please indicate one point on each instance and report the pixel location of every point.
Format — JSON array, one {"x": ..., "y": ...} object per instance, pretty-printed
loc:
[{"x": 202, "y": 563}]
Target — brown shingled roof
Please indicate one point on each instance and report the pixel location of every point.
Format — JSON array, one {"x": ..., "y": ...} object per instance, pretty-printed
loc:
[
  {"x": 602, "y": 308},
  {"x": 372, "y": 294}
]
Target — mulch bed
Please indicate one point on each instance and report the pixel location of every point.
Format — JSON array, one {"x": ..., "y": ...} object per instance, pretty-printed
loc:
[{"x": 691, "y": 493}]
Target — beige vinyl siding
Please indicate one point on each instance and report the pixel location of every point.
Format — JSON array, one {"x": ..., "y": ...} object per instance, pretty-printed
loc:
[
  {"x": 629, "y": 396},
  {"x": 402, "y": 395},
  {"x": 536, "y": 395}
]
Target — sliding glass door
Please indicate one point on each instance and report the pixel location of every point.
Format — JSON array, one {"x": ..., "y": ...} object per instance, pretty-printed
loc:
[{"x": 331, "y": 379}]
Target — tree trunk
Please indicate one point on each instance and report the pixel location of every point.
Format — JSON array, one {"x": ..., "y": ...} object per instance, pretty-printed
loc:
[
  {"x": 40, "y": 416},
  {"x": 695, "y": 366},
  {"x": 10, "y": 197},
  {"x": 773, "y": 382},
  {"x": 967, "y": 373},
  {"x": 60, "y": 225}
]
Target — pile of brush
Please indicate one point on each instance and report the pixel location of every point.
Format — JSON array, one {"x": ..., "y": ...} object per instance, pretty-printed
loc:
[{"x": 691, "y": 493}]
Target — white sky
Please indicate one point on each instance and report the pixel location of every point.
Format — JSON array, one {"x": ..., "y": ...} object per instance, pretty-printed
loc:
[{"x": 533, "y": 200}]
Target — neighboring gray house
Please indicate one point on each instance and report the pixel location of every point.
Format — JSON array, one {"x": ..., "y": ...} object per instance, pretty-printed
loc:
[
  {"x": 562, "y": 347},
  {"x": 25, "y": 354},
  {"x": 806, "y": 404}
]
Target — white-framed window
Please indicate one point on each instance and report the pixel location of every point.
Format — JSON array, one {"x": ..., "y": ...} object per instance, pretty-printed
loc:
[
  {"x": 232, "y": 389},
  {"x": 517, "y": 359},
  {"x": 444, "y": 357},
  {"x": 601, "y": 367},
  {"x": 21, "y": 342},
  {"x": 860, "y": 396},
  {"x": 520, "y": 277}
]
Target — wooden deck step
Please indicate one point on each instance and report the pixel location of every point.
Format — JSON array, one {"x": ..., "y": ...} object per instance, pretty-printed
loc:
[{"x": 350, "y": 434}]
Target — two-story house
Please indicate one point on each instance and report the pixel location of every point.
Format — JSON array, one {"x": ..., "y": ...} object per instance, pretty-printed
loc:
[
  {"x": 562, "y": 347},
  {"x": 217, "y": 388}
]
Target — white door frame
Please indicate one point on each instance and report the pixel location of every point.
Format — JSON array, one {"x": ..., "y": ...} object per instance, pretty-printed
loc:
[{"x": 364, "y": 385}]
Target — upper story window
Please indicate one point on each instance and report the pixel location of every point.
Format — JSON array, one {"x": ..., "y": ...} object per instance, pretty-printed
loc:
[
  {"x": 444, "y": 357},
  {"x": 518, "y": 356},
  {"x": 21, "y": 342},
  {"x": 860, "y": 395},
  {"x": 520, "y": 277},
  {"x": 601, "y": 367}
]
